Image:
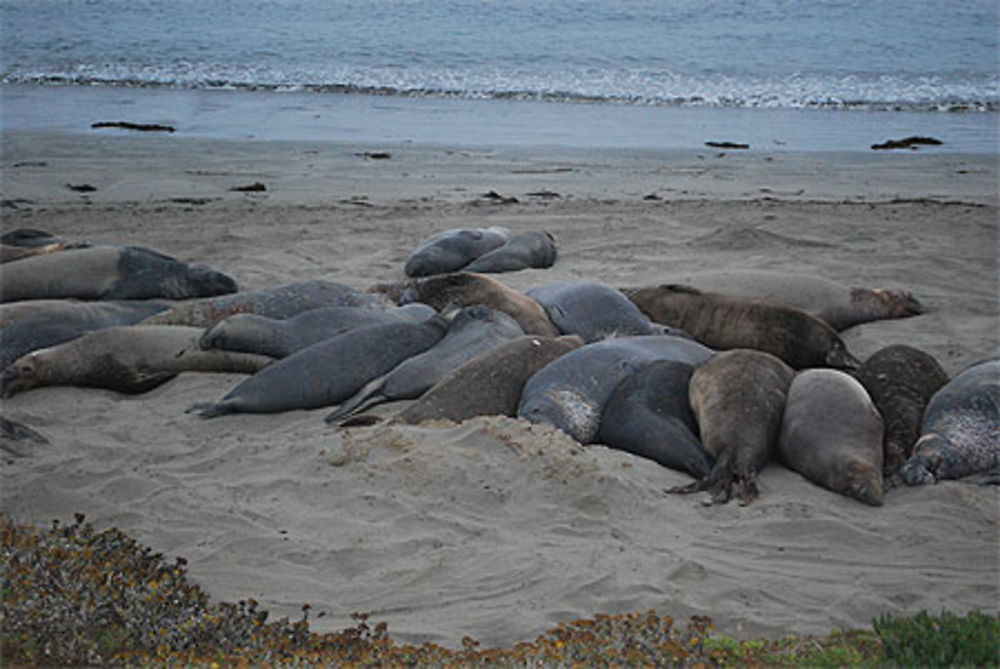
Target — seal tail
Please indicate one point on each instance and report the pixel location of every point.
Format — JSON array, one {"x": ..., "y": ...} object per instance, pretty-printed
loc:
[{"x": 368, "y": 396}]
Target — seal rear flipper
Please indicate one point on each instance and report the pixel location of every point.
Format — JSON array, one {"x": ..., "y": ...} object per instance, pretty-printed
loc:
[{"x": 368, "y": 396}]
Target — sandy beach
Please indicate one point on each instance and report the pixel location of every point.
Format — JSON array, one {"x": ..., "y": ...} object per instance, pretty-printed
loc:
[{"x": 497, "y": 528}]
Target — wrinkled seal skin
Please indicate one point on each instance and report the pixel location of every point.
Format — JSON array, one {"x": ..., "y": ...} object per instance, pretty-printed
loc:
[
  {"x": 901, "y": 381},
  {"x": 473, "y": 330},
  {"x": 328, "y": 372},
  {"x": 109, "y": 273},
  {"x": 592, "y": 310},
  {"x": 279, "y": 338},
  {"x": 535, "y": 250},
  {"x": 961, "y": 428},
  {"x": 281, "y": 302},
  {"x": 451, "y": 250},
  {"x": 465, "y": 289},
  {"x": 831, "y": 433},
  {"x": 648, "y": 415},
  {"x": 724, "y": 322},
  {"x": 127, "y": 359},
  {"x": 738, "y": 399},
  {"x": 572, "y": 391}
]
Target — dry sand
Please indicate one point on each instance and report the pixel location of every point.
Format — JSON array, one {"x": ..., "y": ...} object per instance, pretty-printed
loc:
[{"x": 497, "y": 528}]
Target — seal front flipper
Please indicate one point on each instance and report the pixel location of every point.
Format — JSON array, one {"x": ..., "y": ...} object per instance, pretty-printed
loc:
[
  {"x": 368, "y": 396},
  {"x": 211, "y": 409}
]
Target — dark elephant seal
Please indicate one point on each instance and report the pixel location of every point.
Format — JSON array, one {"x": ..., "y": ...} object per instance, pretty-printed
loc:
[
  {"x": 451, "y": 250},
  {"x": 901, "y": 381},
  {"x": 572, "y": 391},
  {"x": 473, "y": 330},
  {"x": 961, "y": 428},
  {"x": 839, "y": 305},
  {"x": 465, "y": 289},
  {"x": 723, "y": 322},
  {"x": 738, "y": 399},
  {"x": 27, "y": 242},
  {"x": 648, "y": 415},
  {"x": 534, "y": 250},
  {"x": 279, "y": 338},
  {"x": 128, "y": 359},
  {"x": 831, "y": 433},
  {"x": 281, "y": 302},
  {"x": 592, "y": 310},
  {"x": 329, "y": 371},
  {"x": 44, "y": 323},
  {"x": 109, "y": 273}
]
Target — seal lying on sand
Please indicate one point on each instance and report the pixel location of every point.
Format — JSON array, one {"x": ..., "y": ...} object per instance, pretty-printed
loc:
[
  {"x": 831, "y": 433},
  {"x": 901, "y": 381},
  {"x": 648, "y": 415},
  {"x": 127, "y": 359},
  {"x": 724, "y": 322},
  {"x": 572, "y": 391},
  {"x": 592, "y": 310},
  {"x": 109, "y": 273},
  {"x": 536, "y": 250},
  {"x": 27, "y": 242},
  {"x": 451, "y": 250},
  {"x": 961, "y": 428},
  {"x": 329, "y": 371},
  {"x": 839, "y": 305}
]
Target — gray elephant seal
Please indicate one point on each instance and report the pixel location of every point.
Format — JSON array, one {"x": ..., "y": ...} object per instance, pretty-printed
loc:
[
  {"x": 534, "y": 250},
  {"x": 592, "y": 310},
  {"x": 738, "y": 399},
  {"x": 723, "y": 322},
  {"x": 572, "y": 391},
  {"x": 961, "y": 428},
  {"x": 839, "y": 305},
  {"x": 128, "y": 359},
  {"x": 281, "y": 302},
  {"x": 901, "y": 381},
  {"x": 831, "y": 433},
  {"x": 465, "y": 289},
  {"x": 648, "y": 415},
  {"x": 451, "y": 250},
  {"x": 473, "y": 330},
  {"x": 279, "y": 338},
  {"x": 329, "y": 371},
  {"x": 109, "y": 273}
]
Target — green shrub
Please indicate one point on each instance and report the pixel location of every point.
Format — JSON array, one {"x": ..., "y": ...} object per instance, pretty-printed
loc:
[{"x": 941, "y": 641}]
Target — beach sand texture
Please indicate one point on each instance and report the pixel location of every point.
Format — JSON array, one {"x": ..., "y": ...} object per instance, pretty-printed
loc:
[{"x": 497, "y": 528}]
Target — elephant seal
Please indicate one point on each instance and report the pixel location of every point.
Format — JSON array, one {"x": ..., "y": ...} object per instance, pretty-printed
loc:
[
  {"x": 465, "y": 289},
  {"x": 109, "y": 273},
  {"x": 473, "y": 330},
  {"x": 27, "y": 242},
  {"x": 329, "y": 371},
  {"x": 839, "y": 305},
  {"x": 724, "y": 322},
  {"x": 592, "y": 310},
  {"x": 648, "y": 415},
  {"x": 279, "y": 338},
  {"x": 901, "y": 381},
  {"x": 961, "y": 428},
  {"x": 44, "y": 323},
  {"x": 128, "y": 359},
  {"x": 572, "y": 391},
  {"x": 451, "y": 250},
  {"x": 831, "y": 433},
  {"x": 281, "y": 302},
  {"x": 535, "y": 250},
  {"x": 738, "y": 399}
]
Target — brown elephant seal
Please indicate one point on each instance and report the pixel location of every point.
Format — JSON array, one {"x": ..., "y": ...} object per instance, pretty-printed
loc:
[
  {"x": 127, "y": 359},
  {"x": 961, "y": 428},
  {"x": 451, "y": 250},
  {"x": 109, "y": 273},
  {"x": 831, "y": 433},
  {"x": 592, "y": 310},
  {"x": 534, "y": 250},
  {"x": 839, "y": 305},
  {"x": 901, "y": 381},
  {"x": 328, "y": 372},
  {"x": 465, "y": 289},
  {"x": 724, "y": 322},
  {"x": 281, "y": 302},
  {"x": 27, "y": 242},
  {"x": 648, "y": 415}
]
